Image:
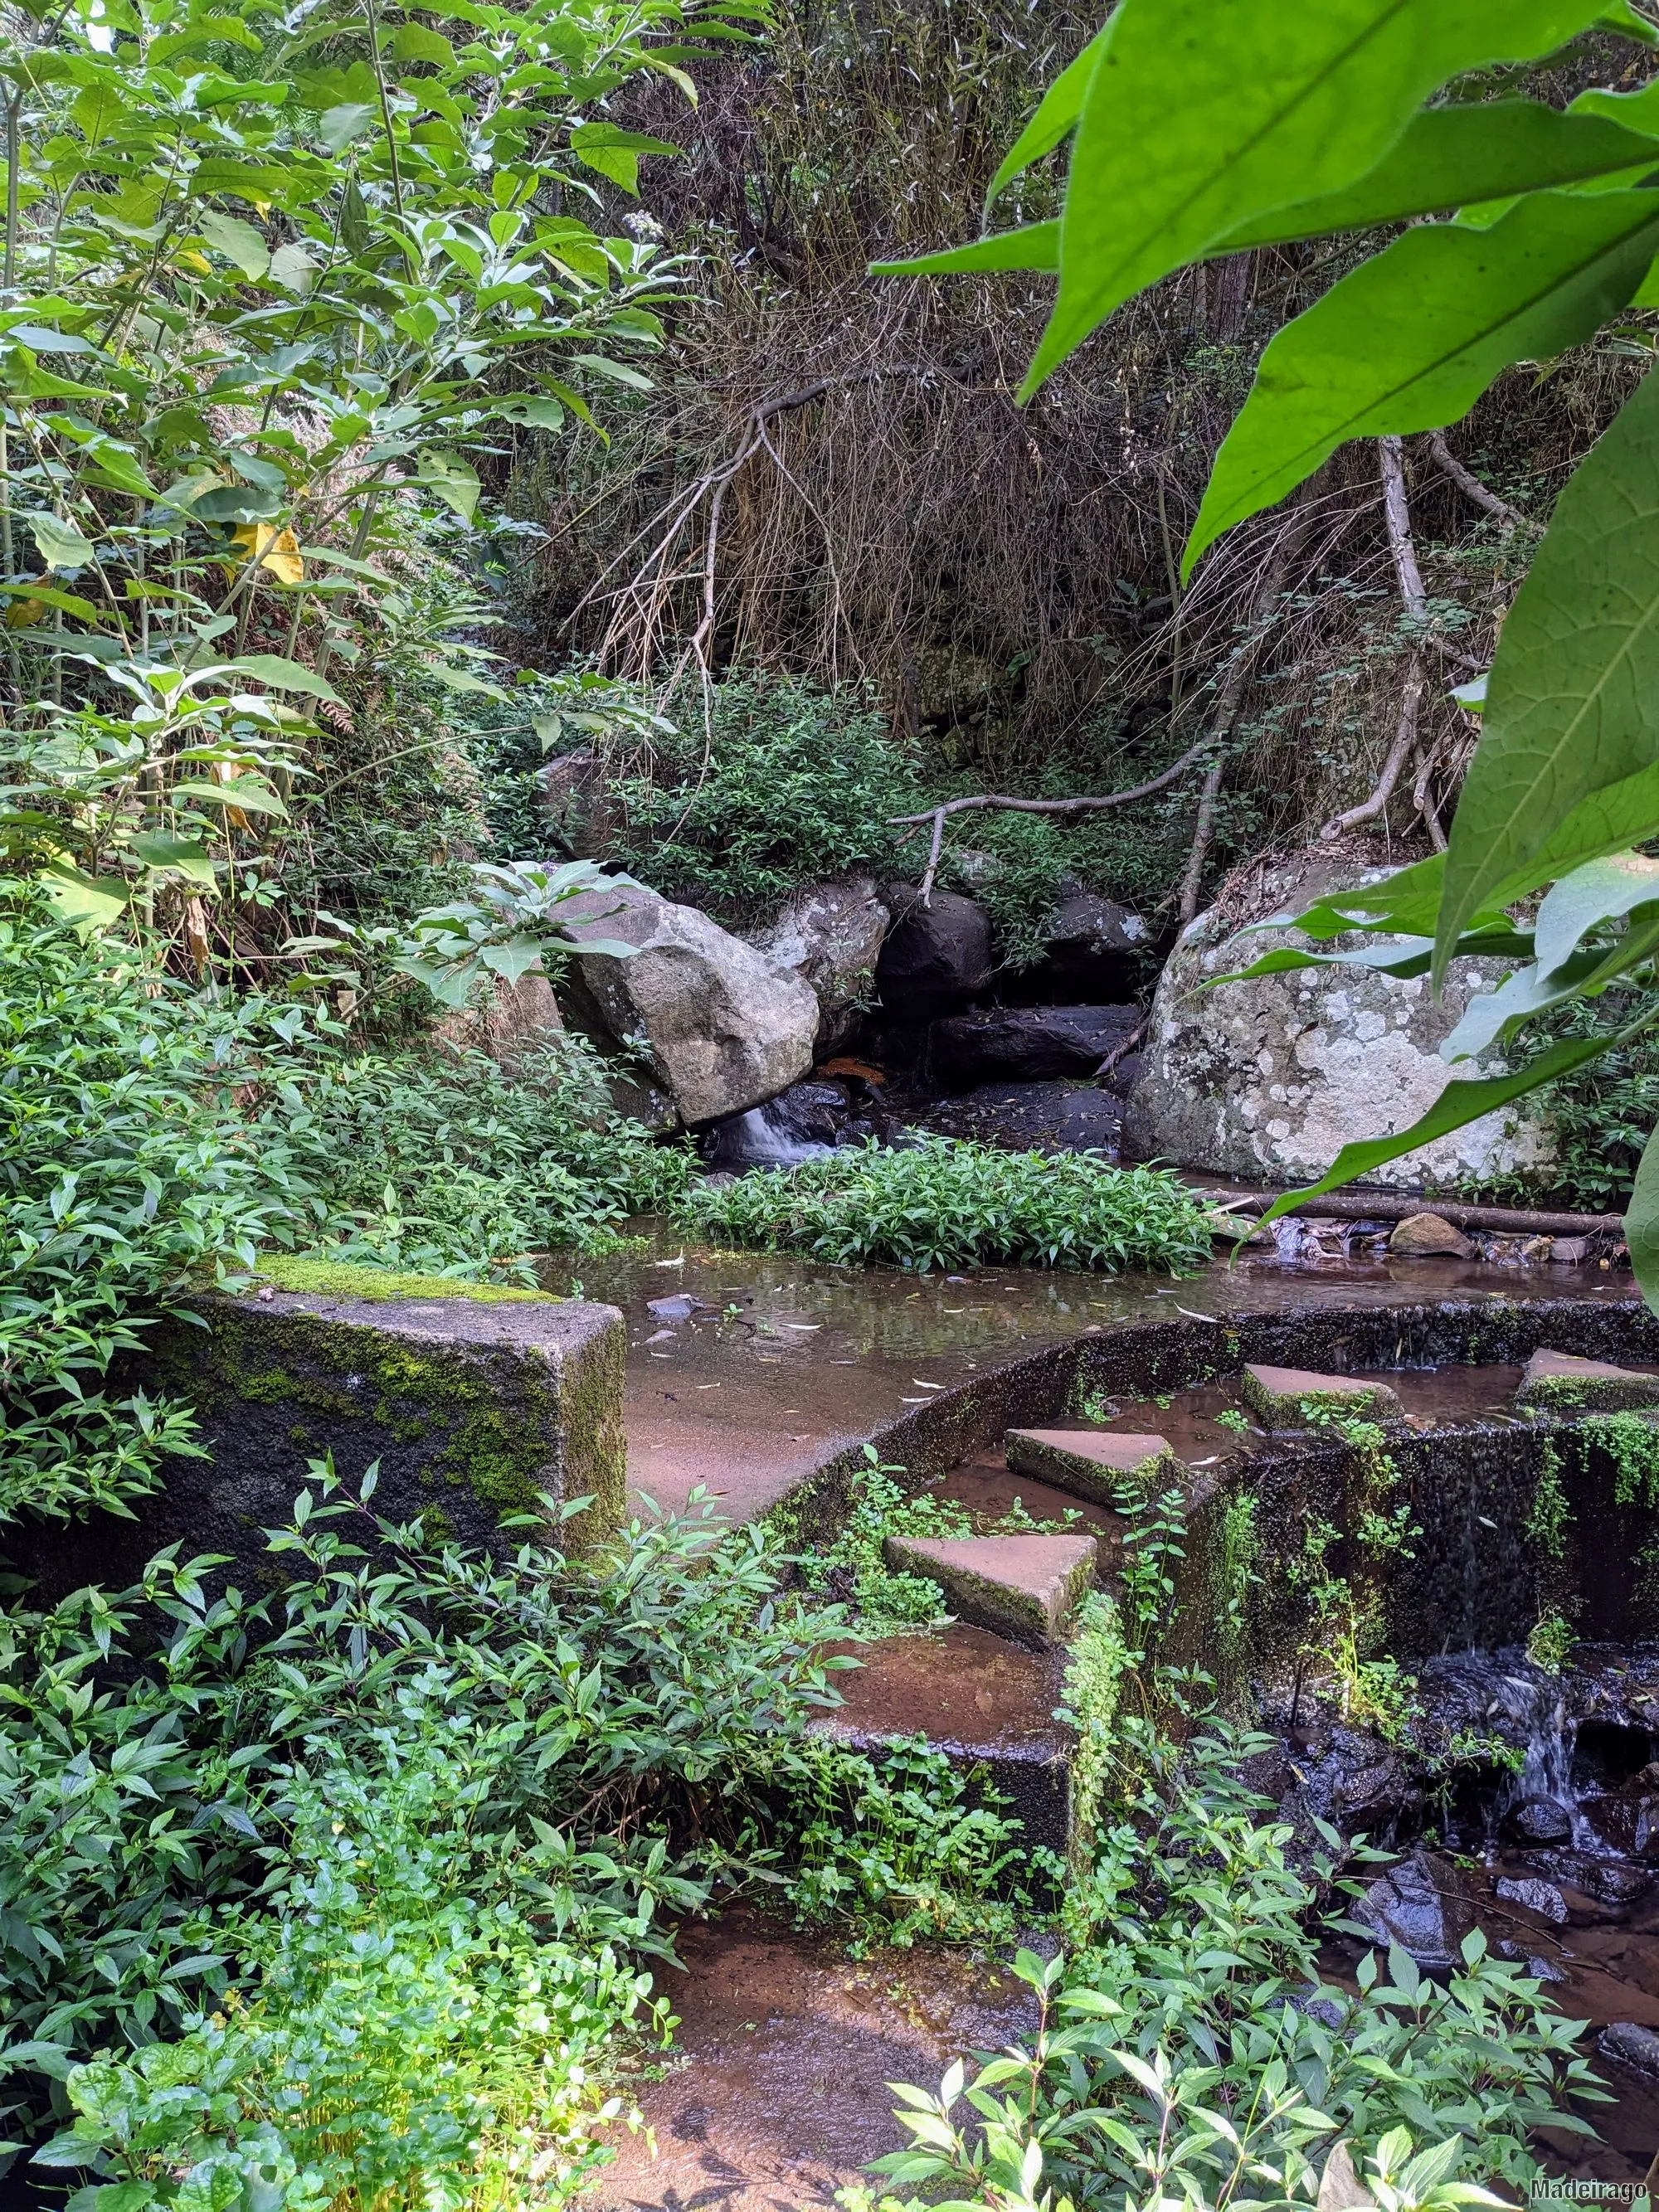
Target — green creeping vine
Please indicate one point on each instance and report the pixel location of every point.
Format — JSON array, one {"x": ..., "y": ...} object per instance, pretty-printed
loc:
[
  {"x": 1549, "y": 1516},
  {"x": 882, "y": 1597}
]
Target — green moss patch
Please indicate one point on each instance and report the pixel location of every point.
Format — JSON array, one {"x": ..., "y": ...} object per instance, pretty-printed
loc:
[{"x": 336, "y": 1279}]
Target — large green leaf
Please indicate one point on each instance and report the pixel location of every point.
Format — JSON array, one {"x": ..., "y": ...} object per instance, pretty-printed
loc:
[
  {"x": 1056, "y": 117},
  {"x": 1464, "y": 1099},
  {"x": 1453, "y": 157},
  {"x": 1447, "y": 158},
  {"x": 1642, "y": 1223},
  {"x": 1411, "y": 338},
  {"x": 1200, "y": 116},
  {"x": 1605, "y": 891},
  {"x": 1572, "y": 705}
]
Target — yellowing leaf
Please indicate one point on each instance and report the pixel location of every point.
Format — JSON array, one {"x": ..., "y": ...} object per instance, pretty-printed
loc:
[{"x": 277, "y": 550}]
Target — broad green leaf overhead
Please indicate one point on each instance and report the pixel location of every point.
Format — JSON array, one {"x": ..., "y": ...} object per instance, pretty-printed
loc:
[
  {"x": 1201, "y": 116},
  {"x": 1606, "y": 890},
  {"x": 1572, "y": 706},
  {"x": 1056, "y": 118},
  {"x": 1642, "y": 1223},
  {"x": 1410, "y": 339},
  {"x": 1451, "y": 157},
  {"x": 1447, "y": 158}
]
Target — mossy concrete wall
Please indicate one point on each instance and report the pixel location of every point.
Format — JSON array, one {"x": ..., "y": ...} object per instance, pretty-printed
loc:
[{"x": 473, "y": 1408}]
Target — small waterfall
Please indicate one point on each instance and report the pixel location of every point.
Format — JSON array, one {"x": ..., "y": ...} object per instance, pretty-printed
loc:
[
  {"x": 1289, "y": 1236},
  {"x": 1548, "y": 1771},
  {"x": 765, "y": 1136}
]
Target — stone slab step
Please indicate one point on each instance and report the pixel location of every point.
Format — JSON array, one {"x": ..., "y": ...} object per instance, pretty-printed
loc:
[
  {"x": 1089, "y": 1463},
  {"x": 1278, "y": 1394},
  {"x": 1561, "y": 1382},
  {"x": 1026, "y": 1587}
]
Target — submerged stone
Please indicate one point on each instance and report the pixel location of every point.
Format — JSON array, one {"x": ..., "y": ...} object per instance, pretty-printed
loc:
[
  {"x": 1090, "y": 1464},
  {"x": 1430, "y": 1237},
  {"x": 1560, "y": 1380},
  {"x": 1282, "y": 1395},
  {"x": 1027, "y": 1587}
]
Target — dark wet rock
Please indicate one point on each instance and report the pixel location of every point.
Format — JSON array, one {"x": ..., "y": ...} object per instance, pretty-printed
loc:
[
  {"x": 801, "y": 1123},
  {"x": 1416, "y": 1905},
  {"x": 1569, "y": 1251},
  {"x": 1327, "y": 2010},
  {"x": 1029, "y": 1044},
  {"x": 1090, "y": 947},
  {"x": 935, "y": 956},
  {"x": 1539, "y": 1969},
  {"x": 1122, "y": 1078},
  {"x": 1534, "y": 1895},
  {"x": 680, "y": 1307},
  {"x": 1028, "y": 1117},
  {"x": 1538, "y": 1820},
  {"x": 1627, "y": 2045},
  {"x": 830, "y": 935},
  {"x": 1644, "y": 1842},
  {"x": 1338, "y": 1777}
]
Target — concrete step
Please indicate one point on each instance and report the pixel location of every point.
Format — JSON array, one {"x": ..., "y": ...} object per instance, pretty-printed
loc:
[
  {"x": 1091, "y": 1463},
  {"x": 1026, "y": 1587},
  {"x": 1558, "y": 1381},
  {"x": 1278, "y": 1394}
]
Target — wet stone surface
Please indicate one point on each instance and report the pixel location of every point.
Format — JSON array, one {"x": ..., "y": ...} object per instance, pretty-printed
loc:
[{"x": 778, "y": 2093}]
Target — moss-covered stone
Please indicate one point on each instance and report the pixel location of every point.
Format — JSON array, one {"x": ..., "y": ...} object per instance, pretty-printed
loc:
[
  {"x": 338, "y": 1279},
  {"x": 1557, "y": 1382},
  {"x": 1092, "y": 1464},
  {"x": 1285, "y": 1396},
  {"x": 479, "y": 1410}
]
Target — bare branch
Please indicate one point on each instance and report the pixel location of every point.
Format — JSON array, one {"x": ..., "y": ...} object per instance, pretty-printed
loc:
[
  {"x": 1397, "y": 520},
  {"x": 1472, "y": 487}
]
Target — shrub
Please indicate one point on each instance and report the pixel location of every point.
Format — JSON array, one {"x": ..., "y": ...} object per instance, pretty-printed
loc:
[
  {"x": 1193, "y": 1992},
  {"x": 944, "y": 1202},
  {"x": 125, "y": 1166},
  {"x": 430, "y": 1163},
  {"x": 406, "y": 1828},
  {"x": 787, "y": 784}
]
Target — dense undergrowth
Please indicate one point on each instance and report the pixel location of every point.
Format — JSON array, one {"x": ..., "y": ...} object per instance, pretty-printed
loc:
[
  {"x": 151, "y": 1135},
  {"x": 944, "y": 1202}
]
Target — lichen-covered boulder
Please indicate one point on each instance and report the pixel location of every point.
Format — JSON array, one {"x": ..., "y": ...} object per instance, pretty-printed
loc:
[
  {"x": 1268, "y": 1080},
  {"x": 831, "y": 936},
  {"x": 710, "y": 1016}
]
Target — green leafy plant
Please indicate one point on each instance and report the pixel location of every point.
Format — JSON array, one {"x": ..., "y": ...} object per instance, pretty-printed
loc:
[
  {"x": 267, "y": 282},
  {"x": 1189, "y": 2024},
  {"x": 1550, "y": 1642},
  {"x": 1549, "y": 1516},
  {"x": 410, "y": 1800},
  {"x": 944, "y": 1202},
  {"x": 784, "y": 784},
  {"x": 904, "y": 1845}
]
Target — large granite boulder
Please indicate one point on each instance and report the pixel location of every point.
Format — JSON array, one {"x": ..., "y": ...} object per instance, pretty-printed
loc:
[
  {"x": 829, "y": 935},
  {"x": 712, "y": 1021},
  {"x": 1268, "y": 1080},
  {"x": 935, "y": 956},
  {"x": 574, "y": 795}
]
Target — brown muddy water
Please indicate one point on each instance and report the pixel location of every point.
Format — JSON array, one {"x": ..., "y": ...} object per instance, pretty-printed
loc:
[{"x": 748, "y": 1371}]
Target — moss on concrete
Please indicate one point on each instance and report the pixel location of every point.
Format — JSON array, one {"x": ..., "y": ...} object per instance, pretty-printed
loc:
[{"x": 336, "y": 1279}]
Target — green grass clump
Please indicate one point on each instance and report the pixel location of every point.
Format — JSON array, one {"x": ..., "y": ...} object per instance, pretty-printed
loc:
[{"x": 945, "y": 1202}]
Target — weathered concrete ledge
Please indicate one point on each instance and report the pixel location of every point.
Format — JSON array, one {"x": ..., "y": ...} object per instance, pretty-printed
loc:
[{"x": 474, "y": 1408}]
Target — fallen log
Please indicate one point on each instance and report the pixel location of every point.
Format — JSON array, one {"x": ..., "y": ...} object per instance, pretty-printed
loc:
[{"x": 1380, "y": 1205}]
